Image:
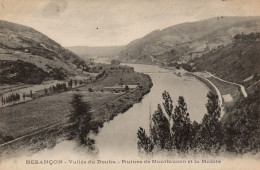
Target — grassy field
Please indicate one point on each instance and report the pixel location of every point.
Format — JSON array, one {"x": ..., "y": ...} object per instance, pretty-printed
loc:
[{"x": 24, "y": 118}]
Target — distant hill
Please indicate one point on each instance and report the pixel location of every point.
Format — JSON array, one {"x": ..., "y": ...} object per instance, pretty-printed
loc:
[
  {"x": 88, "y": 52},
  {"x": 35, "y": 51},
  {"x": 188, "y": 40},
  {"x": 238, "y": 62}
]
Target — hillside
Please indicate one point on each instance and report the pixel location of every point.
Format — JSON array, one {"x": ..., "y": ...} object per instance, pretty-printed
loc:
[
  {"x": 237, "y": 62},
  {"x": 21, "y": 45},
  {"x": 188, "y": 40},
  {"x": 242, "y": 121},
  {"x": 88, "y": 52}
]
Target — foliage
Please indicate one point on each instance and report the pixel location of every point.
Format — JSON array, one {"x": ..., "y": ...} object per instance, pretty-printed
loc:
[
  {"x": 181, "y": 127},
  {"x": 144, "y": 143},
  {"x": 177, "y": 133},
  {"x": 247, "y": 37},
  {"x": 166, "y": 135},
  {"x": 12, "y": 72},
  {"x": 160, "y": 131},
  {"x": 70, "y": 83},
  {"x": 234, "y": 62},
  {"x": 126, "y": 88},
  {"x": 186, "y": 66},
  {"x": 57, "y": 74},
  {"x": 13, "y": 97},
  {"x": 210, "y": 133},
  {"x": 242, "y": 125},
  {"x": 115, "y": 62},
  {"x": 167, "y": 104},
  {"x": 80, "y": 118}
]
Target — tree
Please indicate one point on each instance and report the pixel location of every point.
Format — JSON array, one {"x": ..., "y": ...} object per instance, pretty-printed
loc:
[
  {"x": 163, "y": 135},
  {"x": 126, "y": 88},
  {"x": 115, "y": 62},
  {"x": 64, "y": 87},
  {"x": 210, "y": 134},
  {"x": 182, "y": 135},
  {"x": 145, "y": 143},
  {"x": 45, "y": 91},
  {"x": 160, "y": 131},
  {"x": 195, "y": 126},
  {"x": 121, "y": 81},
  {"x": 70, "y": 84},
  {"x": 181, "y": 128},
  {"x": 167, "y": 104},
  {"x": 80, "y": 118},
  {"x": 242, "y": 125}
]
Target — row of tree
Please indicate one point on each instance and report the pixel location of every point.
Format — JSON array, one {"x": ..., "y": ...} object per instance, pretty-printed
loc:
[
  {"x": 59, "y": 87},
  {"x": 171, "y": 130},
  {"x": 75, "y": 83},
  {"x": 13, "y": 97}
]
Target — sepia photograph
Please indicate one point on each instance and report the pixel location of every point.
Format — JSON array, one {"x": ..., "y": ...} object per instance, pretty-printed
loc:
[{"x": 129, "y": 84}]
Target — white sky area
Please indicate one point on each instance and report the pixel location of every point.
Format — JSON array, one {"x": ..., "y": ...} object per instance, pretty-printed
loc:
[{"x": 115, "y": 22}]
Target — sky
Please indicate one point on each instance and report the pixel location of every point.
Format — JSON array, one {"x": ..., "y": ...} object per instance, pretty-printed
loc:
[{"x": 115, "y": 22}]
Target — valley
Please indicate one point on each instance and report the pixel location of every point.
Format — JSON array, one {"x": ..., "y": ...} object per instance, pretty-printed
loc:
[{"x": 40, "y": 78}]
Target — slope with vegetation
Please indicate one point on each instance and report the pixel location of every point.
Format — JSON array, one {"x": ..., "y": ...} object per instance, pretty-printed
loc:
[
  {"x": 188, "y": 40},
  {"x": 235, "y": 62},
  {"x": 20, "y": 43}
]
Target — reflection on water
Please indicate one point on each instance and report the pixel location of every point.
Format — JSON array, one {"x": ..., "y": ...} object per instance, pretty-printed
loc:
[{"x": 118, "y": 138}]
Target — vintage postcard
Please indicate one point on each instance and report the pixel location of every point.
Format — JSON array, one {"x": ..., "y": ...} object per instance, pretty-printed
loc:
[{"x": 129, "y": 84}]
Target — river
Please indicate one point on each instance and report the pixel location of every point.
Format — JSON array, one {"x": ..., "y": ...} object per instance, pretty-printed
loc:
[{"x": 118, "y": 138}]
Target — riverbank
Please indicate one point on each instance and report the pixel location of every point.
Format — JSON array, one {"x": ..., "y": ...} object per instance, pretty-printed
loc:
[{"x": 53, "y": 111}]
